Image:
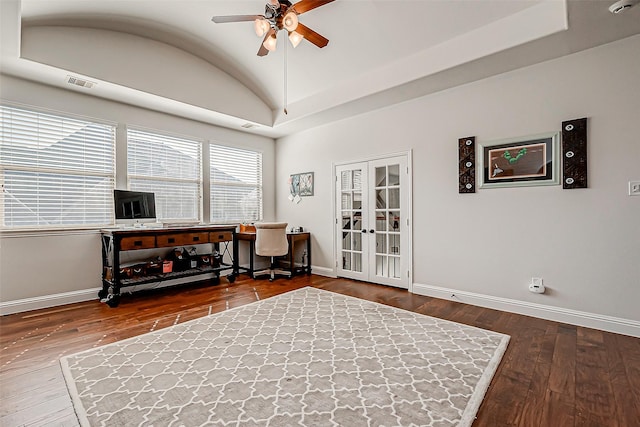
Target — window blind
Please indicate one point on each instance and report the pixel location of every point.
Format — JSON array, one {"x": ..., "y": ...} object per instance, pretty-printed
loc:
[
  {"x": 236, "y": 184},
  {"x": 55, "y": 170},
  {"x": 170, "y": 167}
]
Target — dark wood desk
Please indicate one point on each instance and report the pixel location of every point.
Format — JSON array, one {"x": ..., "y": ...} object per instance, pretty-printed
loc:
[
  {"x": 292, "y": 238},
  {"x": 117, "y": 240}
]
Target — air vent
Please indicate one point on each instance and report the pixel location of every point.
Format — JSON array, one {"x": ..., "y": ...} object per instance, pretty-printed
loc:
[
  {"x": 249, "y": 125},
  {"x": 80, "y": 82}
]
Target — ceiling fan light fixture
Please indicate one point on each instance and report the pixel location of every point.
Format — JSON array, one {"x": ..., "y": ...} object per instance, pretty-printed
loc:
[
  {"x": 270, "y": 43},
  {"x": 261, "y": 26},
  {"x": 295, "y": 38},
  {"x": 290, "y": 21}
]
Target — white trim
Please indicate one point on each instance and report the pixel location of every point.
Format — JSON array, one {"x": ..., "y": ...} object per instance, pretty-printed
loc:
[
  {"x": 49, "y": 232},
  {"x": 46, "y": 301},
  {"x": 323, "y": 271},
  {"x": 574, "y": 317},
  {"x": 409, "y": 218},
  {"x": 372, "y": 158}
]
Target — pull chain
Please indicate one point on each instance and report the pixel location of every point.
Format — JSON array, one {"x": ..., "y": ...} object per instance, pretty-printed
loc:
[{"x": 285, "y": 77}]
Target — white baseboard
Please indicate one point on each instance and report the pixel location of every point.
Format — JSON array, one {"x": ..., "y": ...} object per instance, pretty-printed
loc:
[
  {"x": 558, "y": 314},
  {"x": 46, "y": 301},
  {"x": 323, "y": 271}
]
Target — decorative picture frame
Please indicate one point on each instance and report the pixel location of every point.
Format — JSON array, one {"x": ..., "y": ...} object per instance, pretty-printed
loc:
[
  {"x": 301, "y": 184},
  {"x": 519, "y": 162}
]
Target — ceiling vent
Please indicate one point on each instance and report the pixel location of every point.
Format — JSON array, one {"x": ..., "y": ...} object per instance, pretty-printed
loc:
[
  {"x": 249, "y": 125},
  {"x": 77, "y": 81}
]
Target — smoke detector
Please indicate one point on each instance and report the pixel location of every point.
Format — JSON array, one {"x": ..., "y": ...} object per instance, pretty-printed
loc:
[{"x": 622, "y": 5}]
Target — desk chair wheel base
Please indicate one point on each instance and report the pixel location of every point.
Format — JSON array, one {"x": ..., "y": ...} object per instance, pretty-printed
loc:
[{"x": 272, "y": 272}]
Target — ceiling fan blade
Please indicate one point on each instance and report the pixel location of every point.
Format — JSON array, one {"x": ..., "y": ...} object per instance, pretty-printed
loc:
[
  {"x": 263, "y": 51},
  {"x": 235, "y": 18},
  {"x": 311, "y": 35},
  {"x": 306, "y": 5}
]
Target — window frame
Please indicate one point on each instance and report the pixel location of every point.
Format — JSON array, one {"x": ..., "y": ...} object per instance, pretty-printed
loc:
[
  {"x": 212, "y": 183},
  {"x": 199, "y": 180},
  {"x": 109, "y": 175}
]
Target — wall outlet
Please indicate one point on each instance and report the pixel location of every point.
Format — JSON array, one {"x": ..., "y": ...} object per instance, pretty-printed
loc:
[
  {"x": 536, "y": 285},
  {"x": 634, "y": 188}
]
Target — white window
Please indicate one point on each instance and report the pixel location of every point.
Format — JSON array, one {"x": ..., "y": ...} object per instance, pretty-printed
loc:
[
  {"x": 170, "y": 167},
  {"x": 236, "y": 184},
  {"x": 55, "y": 171}
]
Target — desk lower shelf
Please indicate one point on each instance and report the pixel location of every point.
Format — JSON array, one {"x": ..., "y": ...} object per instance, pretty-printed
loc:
[{"x": 151, "y": 278}]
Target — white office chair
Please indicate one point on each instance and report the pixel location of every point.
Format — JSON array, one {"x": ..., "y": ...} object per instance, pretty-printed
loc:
[{"x": 271, "y": 241}]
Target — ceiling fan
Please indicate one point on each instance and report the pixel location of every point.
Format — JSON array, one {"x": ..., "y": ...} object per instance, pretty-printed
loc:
[{"x": 281, "y": 15}]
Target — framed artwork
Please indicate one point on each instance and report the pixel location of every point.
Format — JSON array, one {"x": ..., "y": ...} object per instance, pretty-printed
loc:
[
  {"x": 301, "y": 184},
  {"x": 519, "y": 162}
]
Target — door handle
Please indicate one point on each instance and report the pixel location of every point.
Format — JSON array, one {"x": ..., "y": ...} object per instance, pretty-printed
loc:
[
  {"x": 364, "y": 231},
  {"x": 372, "y": 231}
]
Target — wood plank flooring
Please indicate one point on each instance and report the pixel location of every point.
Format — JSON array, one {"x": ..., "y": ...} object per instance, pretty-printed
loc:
[{"x": 552, "y": 374}]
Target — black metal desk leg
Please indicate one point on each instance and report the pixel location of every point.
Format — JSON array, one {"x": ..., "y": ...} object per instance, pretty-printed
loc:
[{"x": 252, "y": 248}]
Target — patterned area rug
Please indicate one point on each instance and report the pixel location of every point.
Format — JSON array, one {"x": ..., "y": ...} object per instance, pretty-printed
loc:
[{"x": 305, "y": 358}]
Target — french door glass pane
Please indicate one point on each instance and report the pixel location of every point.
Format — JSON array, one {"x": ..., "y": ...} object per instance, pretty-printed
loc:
[
  {"x": 346, "y": 221},
  {"x": 394, "y": 198},
  {"x": 347, "y": 184},
  {"x": 357, "y": 200},
  {"x": 357, "y": 179},
  {"x": 394, "y": 221},
  {"x": 381, "y": 265},
  {"x": 346, "y": 240},
  {"x": 346, "y": 200},
  {"x": 357, "y": 220},
  {"x": 381, "y": 199},
  {"x": 357, "y": 241},
  {"x": 346, "y": 260},
  {"x": 394, "y": 267},
  {"x": 394, "y": 174},
  {"x": 381, "y": 176},
  {"x": 357, "y": 262},
  {"x": 381, "y": 221},
  {"x": 381, "y": 243},
  {"x": 394, "y": 243}
]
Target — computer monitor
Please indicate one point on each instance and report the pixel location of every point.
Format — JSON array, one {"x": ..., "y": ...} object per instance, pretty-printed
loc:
[{"x": 134, "y": 207}]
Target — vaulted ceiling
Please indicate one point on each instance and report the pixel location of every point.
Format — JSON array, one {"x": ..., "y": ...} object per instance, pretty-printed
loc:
[{"x": 169, "y": 56}]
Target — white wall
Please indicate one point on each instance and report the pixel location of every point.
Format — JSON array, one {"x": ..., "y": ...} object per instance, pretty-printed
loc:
[
  {"x": 40, "y": 264},
  {"x": 584, "y": 243}
]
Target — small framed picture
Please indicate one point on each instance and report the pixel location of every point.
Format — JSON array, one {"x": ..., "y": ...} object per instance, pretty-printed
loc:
[
  {"x": 519, "y": 162},
  {"x": 301, "y": 184}
]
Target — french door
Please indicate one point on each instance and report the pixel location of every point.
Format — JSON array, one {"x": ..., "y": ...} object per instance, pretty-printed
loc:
[{"x": 372, "y": 217}]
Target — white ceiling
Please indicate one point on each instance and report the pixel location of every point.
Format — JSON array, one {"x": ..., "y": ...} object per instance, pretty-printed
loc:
[{"x": 380, "y": 51}]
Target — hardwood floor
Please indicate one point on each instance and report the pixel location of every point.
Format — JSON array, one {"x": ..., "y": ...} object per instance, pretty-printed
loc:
[{"x": 552, "y": 374}]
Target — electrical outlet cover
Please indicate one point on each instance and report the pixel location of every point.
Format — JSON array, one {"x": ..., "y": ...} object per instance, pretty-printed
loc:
[{"x": 634, "y": 188}]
